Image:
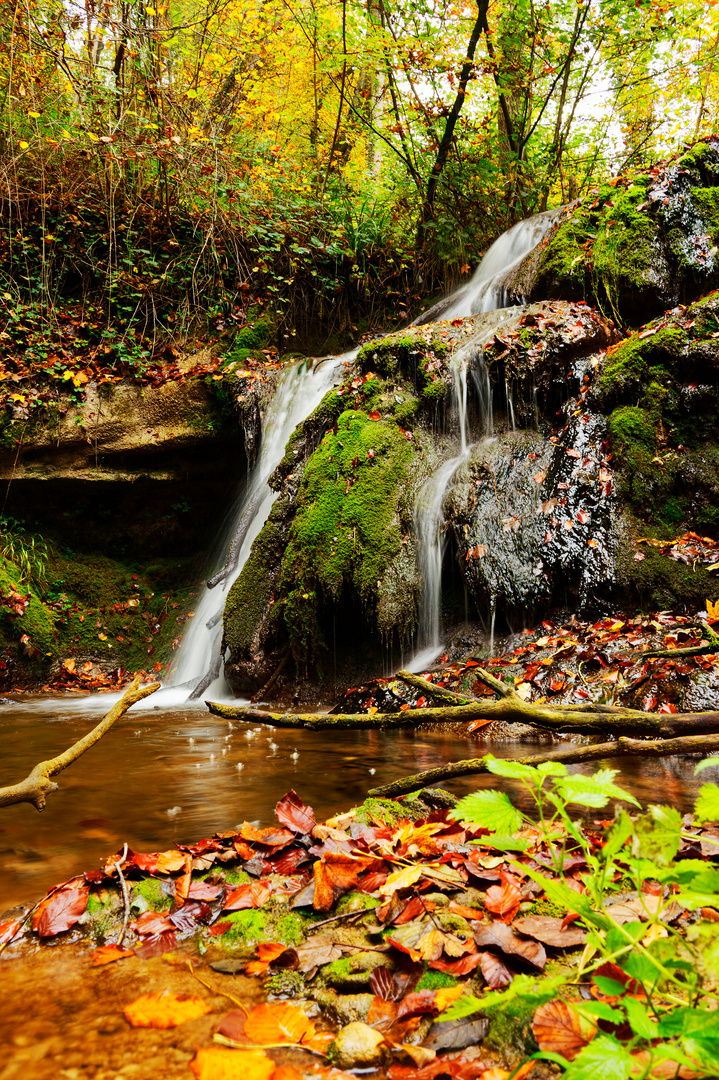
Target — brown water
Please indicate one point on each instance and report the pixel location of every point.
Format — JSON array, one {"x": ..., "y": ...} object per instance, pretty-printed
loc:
[{"x": 170, "y": 775}]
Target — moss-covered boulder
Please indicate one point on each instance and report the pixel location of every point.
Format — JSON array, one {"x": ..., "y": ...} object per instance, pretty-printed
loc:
[
  {"x": 638, "y": 245},
  {"x": 336, "y": 563}
]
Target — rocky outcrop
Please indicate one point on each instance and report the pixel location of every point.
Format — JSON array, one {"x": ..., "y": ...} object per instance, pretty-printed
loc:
[{"x": 638, "y": 245}]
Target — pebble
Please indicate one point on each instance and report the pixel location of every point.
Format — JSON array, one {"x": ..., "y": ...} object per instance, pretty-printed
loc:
[{"x": 357, "y": 1046}]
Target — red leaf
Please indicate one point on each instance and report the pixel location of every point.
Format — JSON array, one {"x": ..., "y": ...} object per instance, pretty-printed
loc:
[
  {"x": 272, "y": 837},
  {"x": 152, "y": 922},
  {"x": 62, "y": 910},
  {"x": 375, "y": 416},
  {"x": 293, "y": 813},
  {"x": 503, "y": 900},
  {"x": 254, "y": 895},
  {"x": 421, "y": 1003},
  {"x": 668, "y": 707}
]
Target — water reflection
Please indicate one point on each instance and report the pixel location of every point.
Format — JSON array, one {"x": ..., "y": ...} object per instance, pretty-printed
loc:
[{"x": 177, "y": 774}]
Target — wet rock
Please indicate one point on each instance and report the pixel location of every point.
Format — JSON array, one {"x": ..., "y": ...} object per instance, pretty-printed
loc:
[
  {"x": 357, "y": 1046},
  {"x": 345, "y": 1008},
  {"x": 636, "y": 246}
]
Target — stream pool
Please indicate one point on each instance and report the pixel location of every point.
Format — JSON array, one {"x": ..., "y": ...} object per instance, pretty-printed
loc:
[{"x": 170, "y": 774}]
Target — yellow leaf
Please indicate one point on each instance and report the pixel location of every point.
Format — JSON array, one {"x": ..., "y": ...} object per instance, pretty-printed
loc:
[
  {"x": 102, "y": 637},
  {"x": 35, "y": 115},
  {"x": 401, "y": 879},
  {"x": 191, "y": 94},
  {"x": 92, "y": 136},
  {"x": 656, "y": 931},
  {"x": 67, "y": 375},
  {"x": 165, "y": 1010},
  {"x": 712, "y": 608},
  {"x": 218, "y": 1063},
  {"x": 24, "y": 145},
  {"x": 446, "y": 995}
]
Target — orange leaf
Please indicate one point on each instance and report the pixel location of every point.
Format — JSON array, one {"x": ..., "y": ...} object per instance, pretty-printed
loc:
[
  {"x": 336, "y": 873},
  {"x": 560, "y": 1030},
  {"x": 108, "y": 954},
  {"x": 60, "y": 911},
  {"x": 503, "y": 900},
  {"x": 254, "y": 895},
  {"x": 165, "y": 1010},
  {"x": 219, "y": 1063},
  {"x": 278, "y": 1022},
  {"x": 286, "y": 1072},
  {"x": 270, "y": 950},
  {"x": 169, "y": 861}
]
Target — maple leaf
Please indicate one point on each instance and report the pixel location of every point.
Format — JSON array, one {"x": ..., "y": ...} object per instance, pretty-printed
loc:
[{"x": 165, "y": 1010}]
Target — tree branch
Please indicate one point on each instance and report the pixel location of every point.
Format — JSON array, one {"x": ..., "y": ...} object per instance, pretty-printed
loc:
[
  {"x": 623, "y": 747},
  {"x": 585, "y": 719},
  {"x": 35, "y": 787}
]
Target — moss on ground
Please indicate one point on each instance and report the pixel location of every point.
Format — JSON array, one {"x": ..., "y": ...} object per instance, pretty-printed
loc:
[
  {"x": 273, "y": 923},
  {"x": 436, "y": 980},
  {"x": 380, "y": 811},
  {"x": 250, "y": 595},
  {"x": 152, "y": 892}
]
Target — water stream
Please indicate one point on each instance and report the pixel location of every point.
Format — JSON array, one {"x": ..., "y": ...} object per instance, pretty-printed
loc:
[{"x": 198, "y": 667}]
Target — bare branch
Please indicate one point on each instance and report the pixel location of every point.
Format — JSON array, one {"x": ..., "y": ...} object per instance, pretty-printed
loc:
[{"x": 35, "y": 787}]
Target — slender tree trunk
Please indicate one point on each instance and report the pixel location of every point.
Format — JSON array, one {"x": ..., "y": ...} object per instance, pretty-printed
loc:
[{"x": 445, "y": 144}]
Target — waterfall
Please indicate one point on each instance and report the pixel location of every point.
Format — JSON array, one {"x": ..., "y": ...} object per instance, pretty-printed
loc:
[
  {"x": 299, "y": 391},
  {"x": 485, "y": 293}
]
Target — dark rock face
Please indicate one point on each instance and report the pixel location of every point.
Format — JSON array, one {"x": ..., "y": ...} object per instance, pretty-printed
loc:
[{"x": 637, "y": 246}]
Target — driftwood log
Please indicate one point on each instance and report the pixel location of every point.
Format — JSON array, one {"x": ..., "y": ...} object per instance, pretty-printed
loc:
[
  {"x": 35, "y": 787},
  {"x": 509, "y": 707},
  {"x": 674, "y": 733}
]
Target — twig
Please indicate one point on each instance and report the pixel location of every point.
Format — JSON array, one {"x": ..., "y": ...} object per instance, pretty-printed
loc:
[
  {"x": 213, "y": 990},
  {"x": 125, "y": 896},
  {"x": 336, "y": 918}
]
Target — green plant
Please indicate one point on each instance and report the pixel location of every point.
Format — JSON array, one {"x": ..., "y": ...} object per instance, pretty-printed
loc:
[
  {"x": 29, "y": 553},
  {"x": 659, "y": 994}
]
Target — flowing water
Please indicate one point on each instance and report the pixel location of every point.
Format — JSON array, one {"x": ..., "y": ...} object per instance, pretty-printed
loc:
[
  {"x": 198, "y": 667},
  {"x": 166, "y": 775}
]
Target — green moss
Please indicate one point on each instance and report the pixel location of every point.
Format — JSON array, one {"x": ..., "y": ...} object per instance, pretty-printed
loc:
[
  {"x": 706, "y": 201},
  {"x": 510, "y": 1030},
  {"x": 547, "y": 909},
  {"x": 631, "y": 430},
  {"x": 236, "y": 877},
  {"x": 628, "y": 366},
  {"x": 151, "y": 891},
  {"x": 257, "y": 333},
  {"x": 384, "y": 811},
  {"x": 286, "y": 984},
  {"x": 290, "y": 928},
  {"x": 346, "y": 529},
  {"x": 356, "y": 901},
  {"x": 247, "y": 927},
  {"x": 436, "y": 980},
  {"x": 250, "y": 595}
]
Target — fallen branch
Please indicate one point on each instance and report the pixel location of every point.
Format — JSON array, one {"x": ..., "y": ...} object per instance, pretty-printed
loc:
[
  {"x": 623, "y": 747},
  {"x": 36, "y": 786},
  {"x": 585, "y": 719}
]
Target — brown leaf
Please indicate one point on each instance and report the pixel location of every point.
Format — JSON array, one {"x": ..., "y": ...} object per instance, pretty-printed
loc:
[
  {"x": 152, "y": 922},
  {"x": 495, "y": 971},
  {"x": 382, "y": 1012},
  {"x": 108, "y": 954},
  {"x": 463, "y": 966},
  {"x": 550, "y": 931},
  {"x": 253, "y": 895},
  {"x": 221, "y": 1063},
  {"x": 382, "y": 984},
  {"x": 457, "y": 1034},
  {"x": 559, "y": 1029},
  {"x": 272, "y": 837},
  {"x": 500, "y": 937},
  {"x": 293, "y": 813}
]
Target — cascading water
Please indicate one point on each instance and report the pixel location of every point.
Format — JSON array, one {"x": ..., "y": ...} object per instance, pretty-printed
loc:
[
  {"x": 486, "y": 292},
  {"x": 299, "y": 392}
]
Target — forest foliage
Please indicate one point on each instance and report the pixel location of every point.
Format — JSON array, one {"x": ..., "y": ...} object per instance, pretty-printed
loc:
[{"x": 328, "y": 160}]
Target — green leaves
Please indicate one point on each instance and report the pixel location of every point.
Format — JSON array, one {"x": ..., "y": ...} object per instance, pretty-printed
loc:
[
  {"x": 490, "y": 809},
  {"x": 604, "y": 1057},
  {"x": 657, "y": 835},
  {"x": 594, "y": 791},
  {"x": 707, "y": 805}
]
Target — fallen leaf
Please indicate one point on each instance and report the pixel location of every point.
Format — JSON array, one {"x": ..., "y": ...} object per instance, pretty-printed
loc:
[
  {"x": 457, "y": 1034},
  {"x": 165, "y": 1010},
  {"x": 254, "y": 895},
  {"x": 550, "y": 931},
  {"x": 61, "y": 911},
  {"x": 503, "y": 900},
  {"x": 272, "y": 837},
  {"x": 559, "y": 1029},
  {"x": 496, "y": 973},
  {"x": 108, "y": 954},
  {"x": 500, "y": 937},
  {"x": 293, "y": 813},
  {"x": 220, "y": 1063},
  {"x": 336, "y": 873},
  {"x": 278, "y": 1022}
]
